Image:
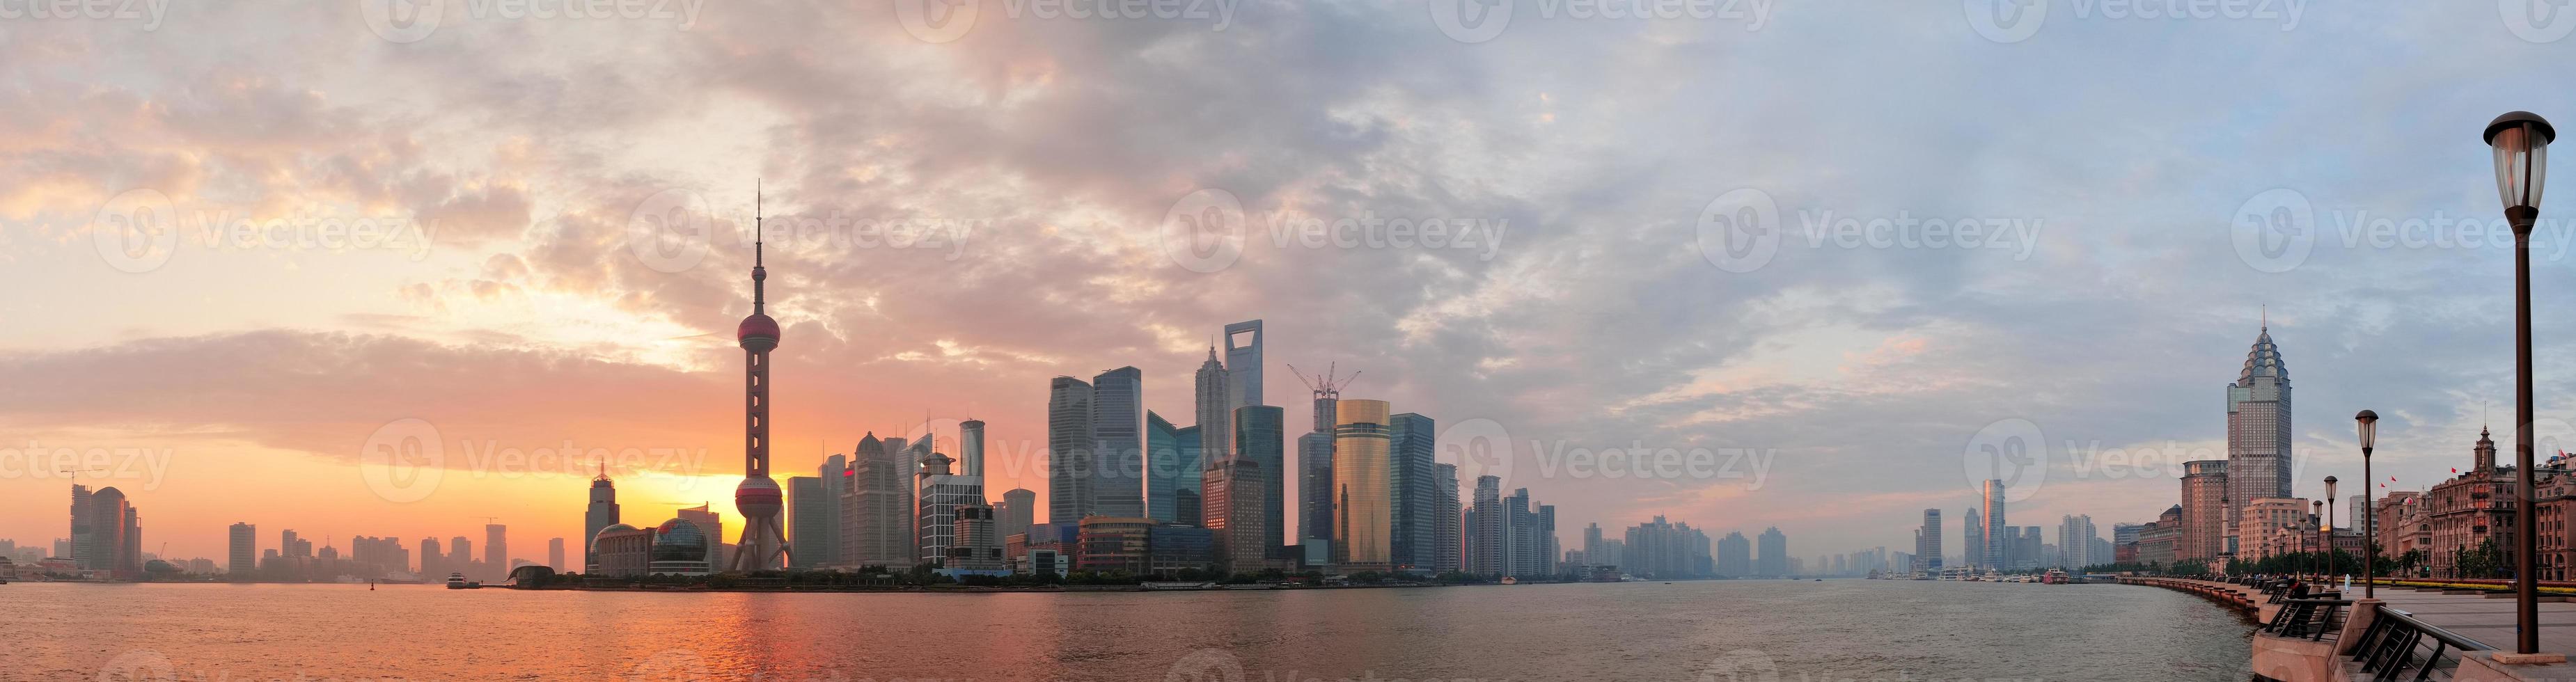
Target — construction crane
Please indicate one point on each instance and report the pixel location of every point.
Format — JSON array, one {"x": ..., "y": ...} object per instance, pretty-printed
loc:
[{"x": 1325, "y": 385}]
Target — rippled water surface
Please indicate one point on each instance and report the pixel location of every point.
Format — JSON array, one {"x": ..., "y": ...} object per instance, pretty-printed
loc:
[{"x": 1722, "y": 630}]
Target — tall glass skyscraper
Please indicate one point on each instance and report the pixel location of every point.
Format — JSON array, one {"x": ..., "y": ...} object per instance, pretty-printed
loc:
[
  {"x": 1261, "y": 437},
  {"x": 1243, "y": 366},
  {"x": 1446, "y": 540},
  {"x": 1069, "y": 450},
  {"x": 1410, "y": 485},
  {"x": 1361, "y": 491},
  {"x": 1118, "y": 439},
  {"x": 1999, "y": 536},
  {"x": 1174, "y": 466},
  {"x": 810, "y": 522}
]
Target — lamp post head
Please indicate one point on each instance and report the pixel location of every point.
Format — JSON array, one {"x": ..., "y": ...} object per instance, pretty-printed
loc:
[
  {"x": 2521, "y": 141},
  {"x": 2330, "y": 485},
  {"x": 2369, "y": 422}
]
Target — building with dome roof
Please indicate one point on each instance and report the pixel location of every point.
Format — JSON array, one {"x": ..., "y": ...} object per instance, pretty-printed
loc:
[
  {"x": 2258, "y": 431},
  {"x": 619, "y": 551},
  {"x": 679, "y": 548}
]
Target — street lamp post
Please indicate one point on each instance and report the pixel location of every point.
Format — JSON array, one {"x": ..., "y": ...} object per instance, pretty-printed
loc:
[
  {"x": 2369, "y": 510},
  {"x": 2319, "y": 511},
  {"x": 2325, "y": 525},
  {"x": 2521, "y": 142}
]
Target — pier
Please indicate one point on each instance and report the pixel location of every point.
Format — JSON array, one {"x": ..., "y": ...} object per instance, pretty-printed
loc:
[{"x": 2426, "y": 630}]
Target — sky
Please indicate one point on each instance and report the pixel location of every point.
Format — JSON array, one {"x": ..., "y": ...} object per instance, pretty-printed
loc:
[{"x": 391, "y": 269}]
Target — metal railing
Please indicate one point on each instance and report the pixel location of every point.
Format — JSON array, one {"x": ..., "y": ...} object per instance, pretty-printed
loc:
[
  {"x": 2396, "y": 644},
  {"x": 2310, "y": 619}
]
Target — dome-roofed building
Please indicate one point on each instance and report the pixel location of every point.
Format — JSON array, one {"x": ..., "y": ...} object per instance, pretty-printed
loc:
[
  {"x": 620, "y": 551},
  {"x": 679, "y": 548}
]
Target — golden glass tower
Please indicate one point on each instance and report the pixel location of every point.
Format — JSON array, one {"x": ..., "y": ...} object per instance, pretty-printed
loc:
[{"x": 1362, "y": 508}]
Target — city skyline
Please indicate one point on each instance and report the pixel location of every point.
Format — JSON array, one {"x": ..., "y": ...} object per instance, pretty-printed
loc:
[{"x": 530, "y": 318}]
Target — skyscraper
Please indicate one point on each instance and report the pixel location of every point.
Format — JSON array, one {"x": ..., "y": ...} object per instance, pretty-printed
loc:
[
  {"x": 1260, "y": 435},
  {"x": 1592, "y": 543},
  {"x": 1117, "y": 428},
  {"x": 1017, "y": 512},
  {"x": 942, "y": 494},
  {"x": 1445, "y": 529},
  {"x": 1409, "y": 460},
  {"x": 1972, "y": 552},
  {"x": 1772, "y": 554},
  {"x": 764, "y": 535},
  {"x": 1174, "y": 464},
  {"x": 1997, "y": 543},
  {"x": 876, "y": 508},
  {"x": 1927, "y": 543},
  {"x": 810, "y": 524},
  {"x": 1243, "y": 365},
  {"x": 1068, "y": 449},
  {"x": 2075, "y": 536},
  {"x": 2258, "y": 430},
  {"x": 602, "y": 513},
  {"x": 2205, "y": 509},
  {"x": 1362, "y": 511},
  {"x": 1233, "y": 489},
  {"x": 970, "y": 449},
  {"x": 1484, "y": 520},
  {"x": 496, "y": 552},
  {"x": 1315, "y": 483},
  {"x": 81, "y": 518},
  {"x": 555, "y": 554},
  {"x": 836, "y": 478},
  {"x": 1215, "y": 412},
  {"x": 1734, "y": 555},
  {"x": 244, "y": 550}
]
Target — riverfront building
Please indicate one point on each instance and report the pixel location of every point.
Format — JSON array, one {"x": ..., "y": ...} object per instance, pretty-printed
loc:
[{"x": 2258, "y": 430}]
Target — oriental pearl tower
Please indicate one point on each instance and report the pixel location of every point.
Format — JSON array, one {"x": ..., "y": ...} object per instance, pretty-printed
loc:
[{"x": 764, "y": 538}]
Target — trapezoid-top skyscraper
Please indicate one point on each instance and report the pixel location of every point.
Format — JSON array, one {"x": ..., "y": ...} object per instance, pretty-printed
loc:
[
  {"x": 764, "y": 536},
  {"x": 2258, "y": 429}
]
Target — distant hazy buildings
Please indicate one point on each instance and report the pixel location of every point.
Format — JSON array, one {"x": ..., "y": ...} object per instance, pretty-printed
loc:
[
  {"x": 1927, "y": 543},
  {"x": 1771, "y": 557},
  {"x": 1998, "y": 533},
  {"x": 1659, "y": 549},
  {"x": 1447, "y": 526},
  {"x": 811, "y": 525},
  {"x": 1734, "y": 555},
  {"x": 2075, "y": 539},
  {"x": 244, "y": 550}
]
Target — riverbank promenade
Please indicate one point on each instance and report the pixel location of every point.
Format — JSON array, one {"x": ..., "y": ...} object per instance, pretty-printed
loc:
[{"x": 2411, "y": 631}]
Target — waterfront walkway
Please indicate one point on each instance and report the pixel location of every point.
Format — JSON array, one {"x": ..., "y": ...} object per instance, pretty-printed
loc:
[{"x": 2483, "y": 616}]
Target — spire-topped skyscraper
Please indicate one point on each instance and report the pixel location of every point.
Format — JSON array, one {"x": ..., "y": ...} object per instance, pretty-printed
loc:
[
  {"x": 2258, "y": 429},
  {"x": 764, "y": 538}
]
